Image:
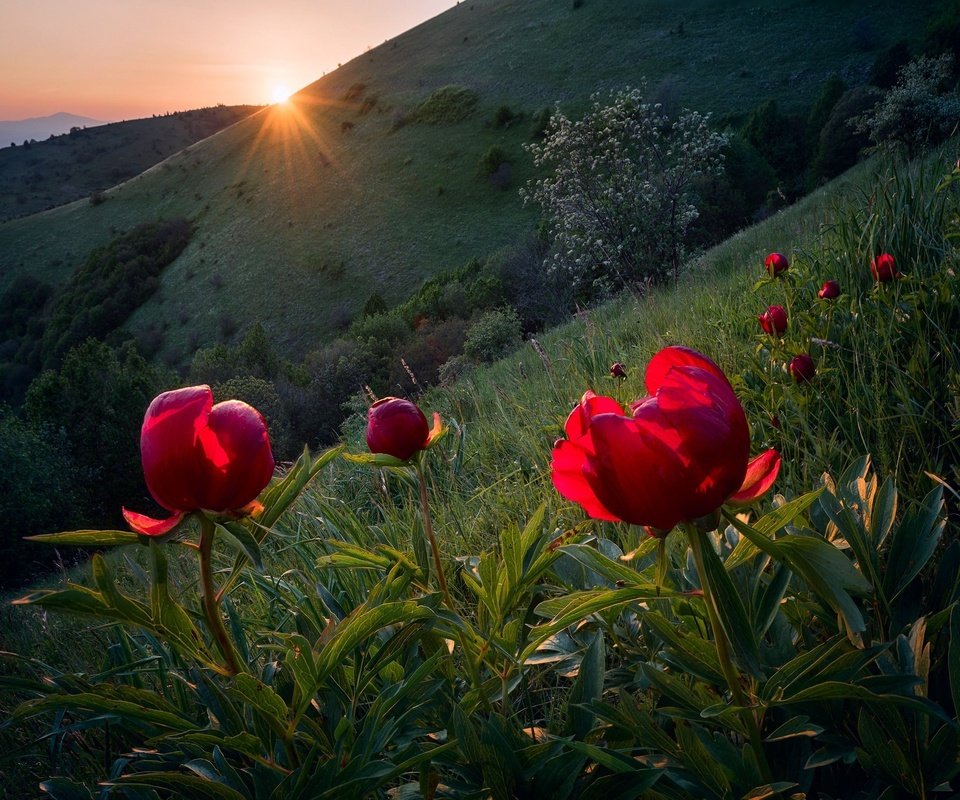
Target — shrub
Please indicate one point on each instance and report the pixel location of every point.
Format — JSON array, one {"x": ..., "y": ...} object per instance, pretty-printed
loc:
[
  {"x": 493, "y": 335},
  {"x": 492, "y": 160},
  {"x": 840, "y": 142},
  {"x": 262, "y": 395},
  {"x": 620, "y": 194},
  {"x": 110, "y": 285},
  {"x": 97, "y": 399},
  {"x": 830, "y": 93},
  {"x": 503, "y": 117},
  {"x": 446, "y": 105},
  {"x": 541, "y": 123},
  {"x": 915, "y": 112},
  {"x": 37, "y": 494},
  {"x": 771, "y": 132}
]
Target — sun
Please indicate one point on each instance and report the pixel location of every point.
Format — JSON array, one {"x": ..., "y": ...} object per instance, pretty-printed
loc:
[{"x": 280, "y": 94}]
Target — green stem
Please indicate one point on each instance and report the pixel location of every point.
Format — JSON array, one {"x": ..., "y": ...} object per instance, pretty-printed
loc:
[
  {"x": 211, "y": 604},
  {"x": 661, "y": 562},
  {"x": 428, "y": 529},
  {"x": 723, "y": 651}
]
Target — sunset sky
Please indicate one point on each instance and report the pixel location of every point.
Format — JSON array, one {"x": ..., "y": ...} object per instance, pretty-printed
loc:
[{"x": 122, "y": 59}]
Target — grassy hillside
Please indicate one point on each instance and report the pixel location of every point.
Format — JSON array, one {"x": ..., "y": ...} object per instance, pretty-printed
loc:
[
  {"x": 41, "y": 175},
  {"x": 492, "y": 472},
  {"x": 345, "y": 192}
]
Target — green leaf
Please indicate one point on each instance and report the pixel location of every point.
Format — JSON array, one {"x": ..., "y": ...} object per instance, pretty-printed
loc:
[
  {"x": 132, "y": 712},
  {"x": 953, "y": 660},
  {"x": 65, "y": 789},
  {"x": 181, "y": 785},
  {"x": 827, "y": 570},
  {"x": 86, "y": 538},
  {"x": 767, "y": 526},
  {"x": 241, "y": 538},
  {"x": 376, "y": 459},
  {"x": 913, "y": 542},
  {"x": 578, "y": 605},
  {"x": 262, "y": 698},
  {"x": 793, "y": 727},
  {"x": 613, "y": 571},
  {"x": 687, "y": 651},
  {"x": 836, "y": 690},
  {"x": 587, "y": 688},
  {"x": 768, "y": 790},
  {"x": 362, "y": 623},
  {"x": 733, "y": 616},
  {"x": 279, "y": 496}
]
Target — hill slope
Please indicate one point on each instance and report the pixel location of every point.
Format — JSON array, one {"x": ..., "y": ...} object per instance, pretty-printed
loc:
[
  {"x": 343, "y": 193},
  {"x": 41, "y": 175}
]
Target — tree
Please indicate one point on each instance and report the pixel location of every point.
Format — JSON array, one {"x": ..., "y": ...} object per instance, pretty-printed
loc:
[
  {"x": 620, "y": 195},
  {"x": 915, "y": 112}
]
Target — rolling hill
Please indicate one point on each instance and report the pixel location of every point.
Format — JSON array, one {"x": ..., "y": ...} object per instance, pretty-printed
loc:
[
  {"x": 368, "y": 181},
  {"x": 37, "y": 176}
]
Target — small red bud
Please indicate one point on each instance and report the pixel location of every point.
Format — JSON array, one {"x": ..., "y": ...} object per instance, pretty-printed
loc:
[
  {"x": 829, "y": 291},
  {"x": 802, "y": 368},
  {"x": 776, "y": 263},
  {"x": 773, "y": 320}
]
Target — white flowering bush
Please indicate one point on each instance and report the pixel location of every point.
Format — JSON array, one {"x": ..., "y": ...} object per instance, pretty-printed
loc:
[
  {"x": 620, "y": 194},
  {"x": 915, "y": 112}
]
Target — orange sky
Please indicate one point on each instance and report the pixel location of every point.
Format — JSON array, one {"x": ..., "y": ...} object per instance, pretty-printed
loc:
[{"x": 122, "y": 59}]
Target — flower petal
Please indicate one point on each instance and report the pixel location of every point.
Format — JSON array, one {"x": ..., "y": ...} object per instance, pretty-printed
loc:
[
  {"x": 590, "y": 405},
  {"x": 762, "y": 471},
  {"x": 635, "y": 472},
  {"x": 677, "y": 356},
  {"x": 149, "y": 526},
  {"x": 168, "y": 446},
  {"x": 239, "y": 461},
  {"x": 567, "y": 467}
]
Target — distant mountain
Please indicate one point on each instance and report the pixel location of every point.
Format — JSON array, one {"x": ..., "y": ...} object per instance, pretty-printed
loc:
[{"x": 40, "y": 128}]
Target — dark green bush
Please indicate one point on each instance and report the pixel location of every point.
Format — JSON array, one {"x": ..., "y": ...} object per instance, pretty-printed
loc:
[
  {"x": 112, "y": 283},
  {"x": 493, "y": 335},
  {"x": 446, "y": 105},
  {"x": 840, "y": 144},
  {"x": 38, "y": 488}
]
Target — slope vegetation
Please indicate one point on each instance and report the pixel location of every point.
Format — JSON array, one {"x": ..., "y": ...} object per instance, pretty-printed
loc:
[{"x": 362, "y": 186}]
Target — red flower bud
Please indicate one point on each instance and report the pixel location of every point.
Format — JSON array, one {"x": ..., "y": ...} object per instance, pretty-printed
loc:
[
  {"x": 396, "y": 427},
  {"x": 829, "y": 291},
  {"x": 617, "y": 370},
  {"x": 197, "y": 455},
  {"x": 884, "y": 268},
  {"x": 773, "y": 320},
  {"x": 681, "y": 455},
  {"x": 776, "y": 263},
  {"x": 802, "y": 368}
]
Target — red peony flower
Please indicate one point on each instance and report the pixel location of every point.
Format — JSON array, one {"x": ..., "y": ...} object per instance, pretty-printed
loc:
[
  {"x": 680, "y": 456},
  {"x": 398, "y": 428},
  {"x": 773, "y": 320},
  {"x": 617, "y": 370},
  {"x": 829, "y": 291},
  {"x": 197, "y": 455},
  {"x": 802, "y": 368},
  {"x": 776, "y": 263},
  {"x": 884, "y": 268}
]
